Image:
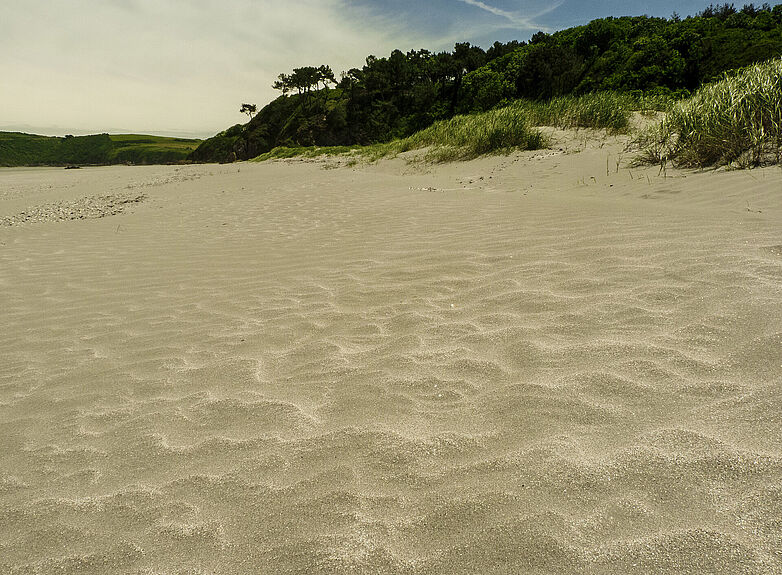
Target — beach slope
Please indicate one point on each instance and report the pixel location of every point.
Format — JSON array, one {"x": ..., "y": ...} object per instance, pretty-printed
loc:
[{"x": 548, "y": 362}]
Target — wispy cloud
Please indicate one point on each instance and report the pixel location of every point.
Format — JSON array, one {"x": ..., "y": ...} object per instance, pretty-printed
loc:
[{"x": 516, "y": 18}]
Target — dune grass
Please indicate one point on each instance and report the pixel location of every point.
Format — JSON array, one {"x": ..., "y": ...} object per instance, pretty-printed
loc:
[
  {"x": 467, "y": 137},
  {"x": 599, "y": 110},
  {"x": 513, "y": 127},
  {"x": 734, "y": 121},
  {"x": 459, "y": 138},
  {"x": 283, "y": 152},
  {"x": 497, "y": 131}
]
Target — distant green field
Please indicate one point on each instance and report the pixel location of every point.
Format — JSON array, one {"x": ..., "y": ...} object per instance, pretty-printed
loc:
[{"x": 18, "y": 149}]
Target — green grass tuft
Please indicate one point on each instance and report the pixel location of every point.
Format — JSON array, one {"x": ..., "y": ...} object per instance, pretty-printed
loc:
[
  {"x": 467, "y": 137},
  {"x": 283, "y": 152},
  {"x": 599, "y": 110},
  {"x": 736, "y": 120},
  {"x": 610, "y": 111}
]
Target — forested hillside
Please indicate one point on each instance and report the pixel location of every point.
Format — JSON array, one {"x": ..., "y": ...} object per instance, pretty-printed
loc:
[{"x": 400, "y": 94}]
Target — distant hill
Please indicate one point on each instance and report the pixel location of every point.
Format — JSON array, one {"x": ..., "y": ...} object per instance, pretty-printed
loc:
[
  {"x": 396, "y": 96},
  {"x": 18, "y": 149}
]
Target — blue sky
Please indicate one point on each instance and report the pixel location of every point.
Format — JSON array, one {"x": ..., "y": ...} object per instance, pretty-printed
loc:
[
  {"x": 484, "y": 21},
  {"x": 184, "y": 66}
]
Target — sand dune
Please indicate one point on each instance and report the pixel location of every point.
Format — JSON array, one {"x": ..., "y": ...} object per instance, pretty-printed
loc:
[{"x": 549, "y": 362}]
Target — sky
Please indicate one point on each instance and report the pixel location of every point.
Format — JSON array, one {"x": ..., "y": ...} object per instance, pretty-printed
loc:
[{"x": 184, "y": 67}]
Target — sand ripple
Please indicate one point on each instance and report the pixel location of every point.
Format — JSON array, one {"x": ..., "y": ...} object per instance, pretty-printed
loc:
[{"x": 290, "y": 370}]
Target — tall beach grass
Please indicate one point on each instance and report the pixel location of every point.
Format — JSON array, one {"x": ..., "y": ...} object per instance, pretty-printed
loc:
[
  {"x": 470, "y": 136},
  {"x": 599, "y": 110},
  {"x": 501, "y": 130},
  {"x": 513, "y": 127},
  {"x": 736, "y": 120},
  {"x": 284, "y": 152}
]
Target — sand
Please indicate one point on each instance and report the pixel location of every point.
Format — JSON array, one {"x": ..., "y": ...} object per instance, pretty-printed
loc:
[{"x": 545, "y": 363}]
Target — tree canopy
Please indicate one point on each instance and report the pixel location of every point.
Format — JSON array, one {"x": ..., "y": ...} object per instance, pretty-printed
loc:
[
  {"x": 305, "y": 79},
  {"x": 402, "y": 93},
  {"x": 249, "y": 109}
]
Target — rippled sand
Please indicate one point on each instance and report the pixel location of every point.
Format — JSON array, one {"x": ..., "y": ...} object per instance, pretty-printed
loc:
[{"x": 541, "y": 363}]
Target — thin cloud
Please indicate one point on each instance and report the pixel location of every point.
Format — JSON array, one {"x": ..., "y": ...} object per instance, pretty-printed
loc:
[{"x": 514, "y": 17}]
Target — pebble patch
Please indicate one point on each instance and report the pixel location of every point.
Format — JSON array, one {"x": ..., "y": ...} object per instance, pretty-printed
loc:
[{"x": 86, "y": 208}]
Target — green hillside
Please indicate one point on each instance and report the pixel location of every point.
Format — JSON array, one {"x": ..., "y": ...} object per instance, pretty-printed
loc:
[
  {"x": 397, "y": 96},
  {"x": 18, "y": 149}
]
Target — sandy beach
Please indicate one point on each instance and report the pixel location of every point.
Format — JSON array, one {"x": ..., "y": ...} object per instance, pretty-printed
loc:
[{"x": 544, "y": 363}]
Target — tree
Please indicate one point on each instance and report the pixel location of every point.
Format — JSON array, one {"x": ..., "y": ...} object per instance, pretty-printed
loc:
[
  {"x": 303, "y": 80},
  {"x": 284, "y": 83},
  {"x": 249, "y": 109},
  {"x": 654, "y": 63},
  {"x": 326, "y": 76}
]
